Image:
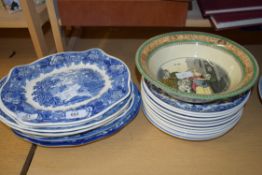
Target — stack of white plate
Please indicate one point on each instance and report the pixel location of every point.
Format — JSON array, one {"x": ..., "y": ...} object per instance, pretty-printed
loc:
[
  {"x": 69, "y": 98},
  {"x": 188, "y": 120}
]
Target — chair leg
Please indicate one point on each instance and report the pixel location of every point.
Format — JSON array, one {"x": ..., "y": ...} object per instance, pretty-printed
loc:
[
  {"x": 56, "y": 28},
  {"x": 34, "y": 27}
]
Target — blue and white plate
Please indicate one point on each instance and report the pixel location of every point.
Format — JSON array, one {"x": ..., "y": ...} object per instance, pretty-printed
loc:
[
  {"x": 90, "y": 136},
  {"x": 69, "y": 130},
  {"x": 66, "y": 131},
  {"x": 64, "y": 89},
  {"x": 186, "y": 116},
  {"x": 198, "y": 110},
  {"x": 183, "y": 120}
]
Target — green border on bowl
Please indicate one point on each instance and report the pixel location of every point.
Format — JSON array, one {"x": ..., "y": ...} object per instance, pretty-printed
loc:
[{"x": 195, "y": 97}]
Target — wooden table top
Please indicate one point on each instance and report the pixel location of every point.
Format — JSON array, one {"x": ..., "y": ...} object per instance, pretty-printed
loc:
[
  {"x": 141, "y": 148},
  {"x": 13, "y": 150}
]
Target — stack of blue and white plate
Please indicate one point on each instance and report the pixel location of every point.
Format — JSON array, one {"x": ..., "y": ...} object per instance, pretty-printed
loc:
[
  {"x": 69, "y": 98},
  {"x": 188, "y": 120}
]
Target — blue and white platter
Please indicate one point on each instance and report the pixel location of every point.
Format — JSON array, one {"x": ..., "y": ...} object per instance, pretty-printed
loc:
[
  {"x": 68, "y": 130},
  {"x": 65, "y": 89},
  {"x": 90, "y": 136}
]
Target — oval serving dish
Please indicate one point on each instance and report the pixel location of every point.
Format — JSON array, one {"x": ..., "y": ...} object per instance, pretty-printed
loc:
[{"x": 64, "y": 89}]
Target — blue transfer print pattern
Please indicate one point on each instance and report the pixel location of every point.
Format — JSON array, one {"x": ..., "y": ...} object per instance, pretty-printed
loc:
[
  {"x": 54, "y": 91},
  {"x": 194, "y": 107},
  {"x": 90, "y": 136}
]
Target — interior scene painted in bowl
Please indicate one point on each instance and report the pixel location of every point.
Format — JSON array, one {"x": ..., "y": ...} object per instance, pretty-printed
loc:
[{"x": 194, "y": 75}]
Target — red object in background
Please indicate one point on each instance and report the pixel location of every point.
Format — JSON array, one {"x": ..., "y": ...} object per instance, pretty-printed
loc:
[
  {"x": 211, "y": 7},
  {"x": 239, "y": 19},
  {"x": 144, "y": 13}
]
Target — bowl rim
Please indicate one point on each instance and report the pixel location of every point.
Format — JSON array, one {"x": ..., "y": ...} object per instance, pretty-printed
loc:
[{"x": 192, "y": 96}]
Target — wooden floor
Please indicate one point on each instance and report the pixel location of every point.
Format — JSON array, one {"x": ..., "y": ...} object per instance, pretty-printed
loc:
[{"x": 139, "y": 148}]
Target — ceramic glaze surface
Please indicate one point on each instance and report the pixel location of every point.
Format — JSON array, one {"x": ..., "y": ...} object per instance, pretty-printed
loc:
[
  {"x": 186, "y": 135},
  {"x": 65, "y": 87},
  {"x": 93, "y": 135},
  {"x": 206, "y": 107},
  {"x": 190, "y": 66},
  {"x": 203, "y": 68},
  {"x": 69, "y": 130},
  {"x": 187, "y": 120},
  {"x": 61, "y": 90}
]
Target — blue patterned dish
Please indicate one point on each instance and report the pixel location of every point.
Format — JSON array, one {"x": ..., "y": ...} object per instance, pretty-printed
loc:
[
  {"x": 69, "y": 130},
  {"x": 65, "y": 131},
  {"x": 92, "y": 135},
  {"x": 65, "y": 89},
  {"x": 217, "y": 106}
]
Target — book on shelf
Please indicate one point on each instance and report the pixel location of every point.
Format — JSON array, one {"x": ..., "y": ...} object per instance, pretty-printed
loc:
[
  {"x": 237, "y": 19},
  {"x": 12, "y": 5},
  {"x": 211, "y": 7}
]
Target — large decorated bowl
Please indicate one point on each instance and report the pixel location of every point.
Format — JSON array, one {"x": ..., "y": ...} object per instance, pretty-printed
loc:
[{"x": 197, "y": 67}]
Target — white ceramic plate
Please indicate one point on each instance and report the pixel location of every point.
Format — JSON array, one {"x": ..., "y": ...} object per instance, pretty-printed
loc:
[
  {"x": 183, "y": 135},
  {"x": 190, "y": 129},
  {"x": 183, "y": 120},
  {"x": 185, "y": 116},
  {"x": 191, "y": 113}
]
